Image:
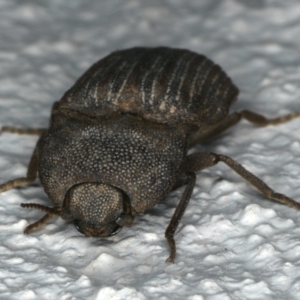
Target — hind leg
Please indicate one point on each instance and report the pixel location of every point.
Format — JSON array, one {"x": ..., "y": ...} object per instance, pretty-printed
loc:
[{"x": 235, "y": 117}]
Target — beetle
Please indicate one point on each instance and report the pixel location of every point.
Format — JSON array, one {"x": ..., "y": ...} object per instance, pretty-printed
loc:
[{"x": 118, "y": 139}]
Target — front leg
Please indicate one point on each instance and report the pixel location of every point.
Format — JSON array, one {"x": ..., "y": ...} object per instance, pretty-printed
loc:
[
  {"x": 30, "y": 177},
  {"x": 179, "y": 211},
  {"x": 193, "y": 163}
]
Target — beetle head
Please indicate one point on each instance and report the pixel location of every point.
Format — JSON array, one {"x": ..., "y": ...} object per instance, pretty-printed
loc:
[{"x": 97, "y": 210}]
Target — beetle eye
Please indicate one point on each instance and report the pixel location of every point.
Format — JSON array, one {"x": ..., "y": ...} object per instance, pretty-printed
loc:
[
  {"x": 97, "y": 231},
  {"x": 76, "y": 224},
  {"x": 116, "y": 230}
]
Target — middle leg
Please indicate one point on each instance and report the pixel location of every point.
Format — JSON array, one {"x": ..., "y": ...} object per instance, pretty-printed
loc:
[{"x": 199, "y": 161}]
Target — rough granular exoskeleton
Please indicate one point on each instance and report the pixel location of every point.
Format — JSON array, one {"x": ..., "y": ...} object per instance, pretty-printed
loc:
[{"x": 118, "y": 139}]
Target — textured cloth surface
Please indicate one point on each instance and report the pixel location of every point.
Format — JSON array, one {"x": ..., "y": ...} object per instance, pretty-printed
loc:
[{"x": 232, "y": 243}]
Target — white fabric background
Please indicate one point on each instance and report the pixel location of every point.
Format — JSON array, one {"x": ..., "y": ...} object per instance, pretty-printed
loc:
[{"x": 232, "y": 243}]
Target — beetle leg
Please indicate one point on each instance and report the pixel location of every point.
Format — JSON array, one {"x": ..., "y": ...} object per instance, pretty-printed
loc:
[
  {"x": 30, "y": 177},
  {"x": 33, "y": 164},
  {"x": 199, "y": 161},
  {"x": 179, "y": 211},
  {"x": 126, "y": 219},
  {"x": 262, "y": 121},
  {"x": 235, "y": 117},
  {"x": 28, "y": 131}
]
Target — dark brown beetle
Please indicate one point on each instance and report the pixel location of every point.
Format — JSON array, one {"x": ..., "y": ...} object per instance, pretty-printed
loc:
[{"x": 118, "y": 139}]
